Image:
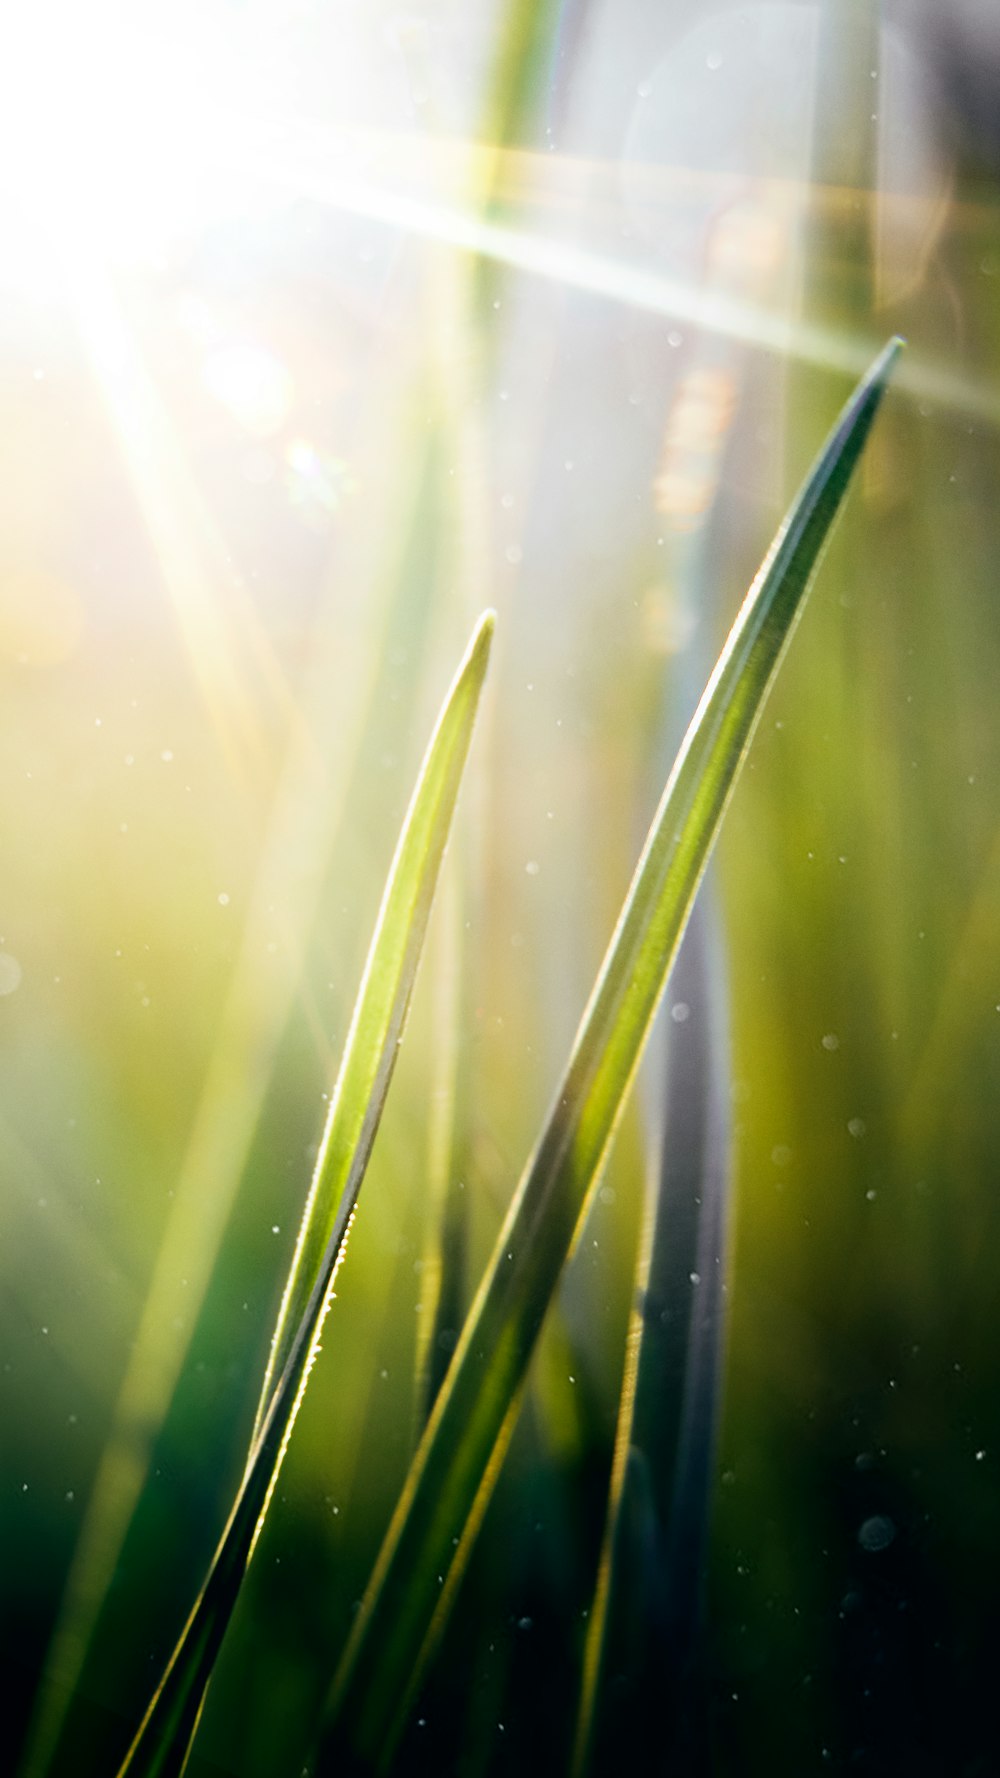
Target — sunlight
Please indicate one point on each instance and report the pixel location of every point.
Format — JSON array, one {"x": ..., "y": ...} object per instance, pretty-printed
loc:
[
  {"x": 331, "y": 167},
  {"x": 126, "y": 130},
  {"x": 116, "y": 124},
  {"x": 325, "y": 326},
  {"x": 230, "y": 655}
]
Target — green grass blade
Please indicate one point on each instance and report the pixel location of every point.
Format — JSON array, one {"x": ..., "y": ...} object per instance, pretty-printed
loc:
[
  {"x": 439, "y": 1313},
  {"x": 456, "y": 1465},
  {"x": 323, "y": 758},
  {"x": 642, "y": 1628},
  {"x": 370, "y": 1053},
  {"x": 161, "y": 1746}
]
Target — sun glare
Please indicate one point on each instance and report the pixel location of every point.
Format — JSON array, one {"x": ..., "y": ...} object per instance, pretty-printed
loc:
[
  {"x": 118, "y": 126},
  {"x": 128, "y": 130}
]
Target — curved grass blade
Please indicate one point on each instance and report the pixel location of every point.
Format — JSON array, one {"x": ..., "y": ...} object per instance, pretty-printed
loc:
[
  {"x": 455, "y": 1468},
  {"x": 379, "y": 1011},
  {"x": 642, "y": 1627},
  {"x": 323, "y": 760},
  {"x": 649, "y": 1575},
  {"x": 440, "y": 1309},
  {"x": 162, "y": 1743}
]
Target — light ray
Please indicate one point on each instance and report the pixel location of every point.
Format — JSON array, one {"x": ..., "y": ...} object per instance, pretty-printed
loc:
[
  {"x": 313, "y": 163},
  {"x": 230, "y": 655},
  {"x": 305, "y": 818}
]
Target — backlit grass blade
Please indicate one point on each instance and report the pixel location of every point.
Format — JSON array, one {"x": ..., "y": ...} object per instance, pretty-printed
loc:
[
  {"x": 660, "y": 1493},
  {"x": 323, "y": 758},
  {"x": 465, "y": 297},
  {"x": 357, "y": 1101},
  {"x": 162, "y": 1743},
  {"x": 457, "y": 1462},
  {"x": 643, "y": 1622},
  {"x": 440, "y": 1310}
]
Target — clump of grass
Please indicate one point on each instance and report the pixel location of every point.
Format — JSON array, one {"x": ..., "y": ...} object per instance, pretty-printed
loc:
[
  {"x": 461, "y": 1448},
  {"x": 456, "y": 1465},
  {"x": 460, "y": 1453}
]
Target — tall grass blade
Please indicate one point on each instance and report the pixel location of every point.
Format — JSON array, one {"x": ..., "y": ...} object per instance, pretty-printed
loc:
[
  {"x": 464, "y": 299},
  {"x": 524, "y": 50},
  {"x": 161, "y": 1746},
  {"x": 456, "y": 1465},
  {"x": 659, "y": 1498},
  {"x": 642, "y": 1627},
  {"x": 442, "y": 1269},
  {"x": 360, "y": 1068},
  {"x": 322, "y": 760}
]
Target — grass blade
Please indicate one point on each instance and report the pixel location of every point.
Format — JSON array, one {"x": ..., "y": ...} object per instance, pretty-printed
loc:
[
  {"x": 161, "y": 1746},
  {"x": 643, "y": 1623},
  {"x": 352, "y": 1119},
  {"x": 456, "y": 1465},
  {"x": 440, "y": 1310},
  {"x": 322, "y": 761},
  {"x": 660, "y": 1493}
]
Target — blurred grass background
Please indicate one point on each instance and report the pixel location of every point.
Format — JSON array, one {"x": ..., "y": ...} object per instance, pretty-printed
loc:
[{"x": 265, "y": 447}]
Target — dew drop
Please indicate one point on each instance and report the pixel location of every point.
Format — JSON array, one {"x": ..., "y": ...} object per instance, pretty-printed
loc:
[
  {"x": 876, "y": 1534},
  {"x": 11, "y": 973}
]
